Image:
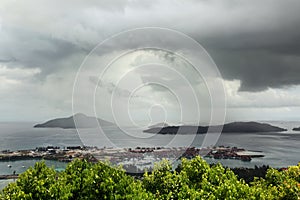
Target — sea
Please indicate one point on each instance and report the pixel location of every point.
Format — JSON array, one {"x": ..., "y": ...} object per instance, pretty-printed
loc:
[{"x": 280, "y": 149}]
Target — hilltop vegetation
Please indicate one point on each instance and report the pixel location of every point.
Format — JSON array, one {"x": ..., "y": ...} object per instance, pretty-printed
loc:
[
  {"x": 234, "y": 127},
  {"x": 194, "y": 179},
  {"x": 78, "y": 120}
]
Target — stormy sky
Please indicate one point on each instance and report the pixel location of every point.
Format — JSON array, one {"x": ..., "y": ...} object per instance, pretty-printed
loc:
[{"x": 254, "y": 44}]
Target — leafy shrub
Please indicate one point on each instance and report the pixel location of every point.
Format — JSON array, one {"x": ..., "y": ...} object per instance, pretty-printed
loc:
[{"x": 195, "y": 179}]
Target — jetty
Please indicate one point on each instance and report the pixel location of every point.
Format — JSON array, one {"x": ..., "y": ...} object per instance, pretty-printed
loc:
[
  {"x": 222, "y": 152},
  {"x": 11, "y": 176}
]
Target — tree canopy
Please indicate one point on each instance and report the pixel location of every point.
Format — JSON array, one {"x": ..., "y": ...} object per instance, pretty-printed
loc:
[{"x": 194, "y": 179}]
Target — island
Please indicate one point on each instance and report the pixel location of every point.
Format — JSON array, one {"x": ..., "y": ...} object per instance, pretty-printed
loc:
[
  {"x": 79, "y": 120},
  {"x": 234, "y": 127},
  {"x": 296, "y": 129}
]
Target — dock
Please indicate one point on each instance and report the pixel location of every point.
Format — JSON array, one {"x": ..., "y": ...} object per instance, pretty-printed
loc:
[{"x": 11, "y": 176}]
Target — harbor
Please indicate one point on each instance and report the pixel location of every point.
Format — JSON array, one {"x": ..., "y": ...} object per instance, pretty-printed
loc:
[
  {"x": 132, "y": 159},
  {"x": 94, "y": 154}
]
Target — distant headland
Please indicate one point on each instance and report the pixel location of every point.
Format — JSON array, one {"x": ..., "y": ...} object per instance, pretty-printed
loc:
[
  {"x": 296, "y": 129},
  {"x": 79, "y": 120},
  {"x": 235, "y": 127}
]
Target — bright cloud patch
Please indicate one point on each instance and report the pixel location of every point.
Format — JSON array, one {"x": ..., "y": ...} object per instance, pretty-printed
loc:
[{"x": 16, "y": 76}]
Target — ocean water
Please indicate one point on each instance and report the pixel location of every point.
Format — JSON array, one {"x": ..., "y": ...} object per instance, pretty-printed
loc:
[{"x": 280, "y": 149}]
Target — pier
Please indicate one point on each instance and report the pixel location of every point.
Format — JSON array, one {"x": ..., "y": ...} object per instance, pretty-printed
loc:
[{"x": 11, "y": 176}]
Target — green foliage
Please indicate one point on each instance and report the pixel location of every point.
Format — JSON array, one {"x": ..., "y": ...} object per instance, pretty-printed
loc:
[
  {"x": 164, "y": 183},
  {"x": 100, "y": 181},
  {"x": 195, "y": 179},
  {"x": 279, "y": 185},
  {"x": 39, "y": 182}
]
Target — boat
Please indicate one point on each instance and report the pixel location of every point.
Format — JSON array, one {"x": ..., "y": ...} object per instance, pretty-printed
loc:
[{"x": 9, "y": 166}]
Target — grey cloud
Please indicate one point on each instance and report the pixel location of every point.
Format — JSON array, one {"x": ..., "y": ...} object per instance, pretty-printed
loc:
[
  {"x": 257, "y": 42},
  {"x": 259, "y": 68},
  {"x": 111, "y": 87},
  {"x": 263, "y": 51},
  {"x": 30, "y": 49},
  {"x": 7, "y": 60}
]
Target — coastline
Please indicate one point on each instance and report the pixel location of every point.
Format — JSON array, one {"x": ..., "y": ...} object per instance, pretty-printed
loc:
[
  {"x": 94, "y": 154},
  {"x": 121, "y": 155}
]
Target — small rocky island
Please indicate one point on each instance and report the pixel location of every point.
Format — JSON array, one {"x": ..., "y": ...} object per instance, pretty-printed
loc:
[
  {"x": 79, "y": 120},
  {"x": 235, "y": 127},
  {"x": 296, "y": 129}
]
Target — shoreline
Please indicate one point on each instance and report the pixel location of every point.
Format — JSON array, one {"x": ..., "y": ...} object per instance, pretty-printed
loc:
[
  {"x": 135, "y": 160},
  {"x": 94, "y": 154},
  {"x": 123, "y": 156}
]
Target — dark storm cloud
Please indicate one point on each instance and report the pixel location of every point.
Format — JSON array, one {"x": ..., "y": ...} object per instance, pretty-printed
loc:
[
  {"x": 30, "y": 49},
  {"x": 262, "y": 52},
  {"x": 257, "y": 42},
  {"x": 259, "y": 70},
  {"x": 258, "y": 63}
]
